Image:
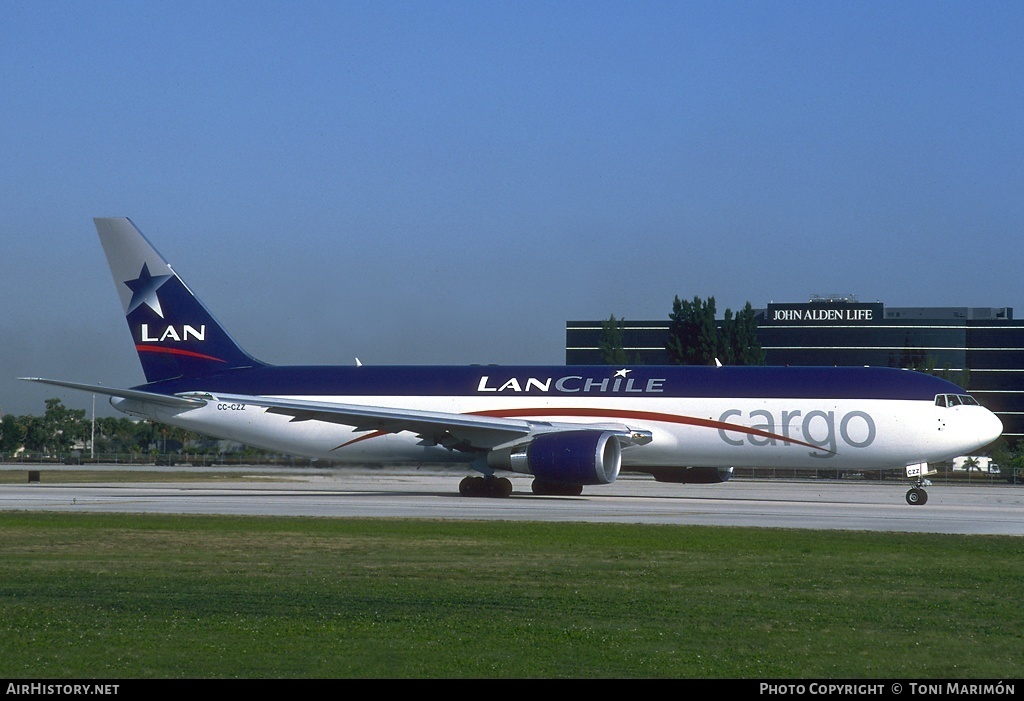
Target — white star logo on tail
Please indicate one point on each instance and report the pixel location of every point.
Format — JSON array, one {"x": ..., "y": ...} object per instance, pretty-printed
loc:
[{"x": 144, "y": 289}]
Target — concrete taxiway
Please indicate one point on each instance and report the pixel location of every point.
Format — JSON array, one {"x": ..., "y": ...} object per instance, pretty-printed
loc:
[{"x": 433, "y": 494}]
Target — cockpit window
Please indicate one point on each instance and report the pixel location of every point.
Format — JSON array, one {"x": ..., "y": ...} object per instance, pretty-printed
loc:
[{"x": 948, "y": 400}]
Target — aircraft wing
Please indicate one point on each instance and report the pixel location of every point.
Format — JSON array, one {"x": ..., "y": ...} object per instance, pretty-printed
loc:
[
  {"x": 455, "y": 431},
  {"x": 181, "y": 402},
  {"x": 467, "y": 432}
]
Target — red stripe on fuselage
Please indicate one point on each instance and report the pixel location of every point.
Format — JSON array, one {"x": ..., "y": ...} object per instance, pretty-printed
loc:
[
  {"x": 647, "y": 416},
  {"x": 622, "y": 414}
]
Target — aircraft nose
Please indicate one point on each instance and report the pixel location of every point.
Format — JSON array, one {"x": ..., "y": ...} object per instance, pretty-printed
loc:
[{"x": 990, "y": 429}]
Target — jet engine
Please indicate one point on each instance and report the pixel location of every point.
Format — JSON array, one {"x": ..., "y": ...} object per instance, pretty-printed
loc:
[
  {"x": 692, "y": 475},
  {"x": 565, "y": 457}
]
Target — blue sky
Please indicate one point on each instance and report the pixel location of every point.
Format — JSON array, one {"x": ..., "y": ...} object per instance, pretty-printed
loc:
[{"x": 449, "y": 182}]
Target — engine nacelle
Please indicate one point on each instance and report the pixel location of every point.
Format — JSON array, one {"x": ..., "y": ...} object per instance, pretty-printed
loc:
[
  {"x": 567, "y": 457},
  {"x": 692, "y": 475}
]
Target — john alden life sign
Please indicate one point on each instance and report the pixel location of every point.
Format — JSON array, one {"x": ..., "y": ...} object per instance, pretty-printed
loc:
[{"x": 823, "y": 314}]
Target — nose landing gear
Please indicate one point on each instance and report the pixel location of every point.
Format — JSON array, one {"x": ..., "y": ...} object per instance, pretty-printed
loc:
[{"x": 916, "y": 496}]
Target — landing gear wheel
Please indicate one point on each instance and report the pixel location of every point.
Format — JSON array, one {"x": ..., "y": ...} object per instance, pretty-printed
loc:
[
  {"x": 917, "y": 496},
  {"x": 471, "y": 486},
  {"x": 502, "y": 487},
  {"x": 499, "y": 487}
]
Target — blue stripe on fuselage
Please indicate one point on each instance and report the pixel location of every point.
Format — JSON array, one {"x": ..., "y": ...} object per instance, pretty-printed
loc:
[{"x": 569, "y": 381}]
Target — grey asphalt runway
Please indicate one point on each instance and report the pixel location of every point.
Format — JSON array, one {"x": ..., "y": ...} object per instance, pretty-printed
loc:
[{"x": 433, "y": 494}]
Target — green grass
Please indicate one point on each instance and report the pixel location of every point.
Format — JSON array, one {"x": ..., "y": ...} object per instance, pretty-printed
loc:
[{"x": 126, "y": 596}]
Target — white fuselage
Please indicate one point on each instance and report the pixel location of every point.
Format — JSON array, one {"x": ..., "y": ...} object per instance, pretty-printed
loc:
[{"x": 843, "y": 434}]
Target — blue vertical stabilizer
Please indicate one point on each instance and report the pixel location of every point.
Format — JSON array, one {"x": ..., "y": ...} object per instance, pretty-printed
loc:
[{"x": 174, "y": 334}]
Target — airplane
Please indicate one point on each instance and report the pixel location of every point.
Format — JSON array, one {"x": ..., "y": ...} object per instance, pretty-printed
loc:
[{"x": 567, "y": 426}]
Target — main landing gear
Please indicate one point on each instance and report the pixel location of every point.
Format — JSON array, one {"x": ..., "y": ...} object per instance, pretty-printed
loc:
[{"x": 499, "y": 487}]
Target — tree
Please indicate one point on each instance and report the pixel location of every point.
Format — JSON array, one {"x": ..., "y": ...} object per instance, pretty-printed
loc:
[
  {"x": 696, "y": 338},
  {"x": 63, "y": 426},
  {"x": 12, "y": 434},
  {"x": 610, "y": 345},
  {"x": 740, "y": 334},
  {"x": 37, "y": 437},
  {"x": 693, "y": 334}
]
